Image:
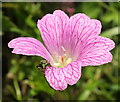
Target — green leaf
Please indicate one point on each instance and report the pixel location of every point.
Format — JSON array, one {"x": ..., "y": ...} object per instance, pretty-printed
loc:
[
  {"x": 92, "y": 9},
  {"x": 33, "y": 8},
  {"x": 7, "y": 24},
  {"x": 30, "y": 22},
  {"x": 11, "y": 90},
  {"x": 19, "y": 31},
  {"x": 21, "y": 75},
  {"x": 115, "y": 87},
  {"x": 110, "y": 32},
  {"x": 110, "y": 16},
  {"x": 84, "y": 95}
]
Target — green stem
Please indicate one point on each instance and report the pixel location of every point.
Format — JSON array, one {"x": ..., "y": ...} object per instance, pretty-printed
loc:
[{"x": 17, "y": 89}]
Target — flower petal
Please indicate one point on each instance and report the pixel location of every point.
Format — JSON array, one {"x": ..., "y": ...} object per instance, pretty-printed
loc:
[
  {"x": 97, "y": 58},
  {"x": 96, "y": 51},
  {"x": 80, "y": 28},
  {"x": 74, "y": 71},
  {"x": 60, "y": 77},
  {"x": 56, "y": 78},
  {"x": 62, "y": 16},
  {"x": 51, "y": 27},
  {"x": 29, "y": 46}
]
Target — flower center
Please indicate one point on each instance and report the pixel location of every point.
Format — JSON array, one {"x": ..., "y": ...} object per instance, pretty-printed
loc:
[{"x": 61, "y": 61}]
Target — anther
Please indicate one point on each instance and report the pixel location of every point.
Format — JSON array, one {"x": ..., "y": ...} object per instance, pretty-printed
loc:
[{"x": 62, "y": 58}]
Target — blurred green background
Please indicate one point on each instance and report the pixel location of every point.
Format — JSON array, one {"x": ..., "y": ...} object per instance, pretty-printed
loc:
[{"x": 23, "y": 81}]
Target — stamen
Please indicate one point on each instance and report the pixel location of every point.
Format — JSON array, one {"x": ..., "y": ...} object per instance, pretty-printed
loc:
[
  {"x": 63, "y": 48},
  {"x": 61, "y": 61},
  {"x": 65, "y": 54},
  {"x": 68, "y": 60},
  {"x": 56, "y": 64},
  {"x": 62, "y": 58}
]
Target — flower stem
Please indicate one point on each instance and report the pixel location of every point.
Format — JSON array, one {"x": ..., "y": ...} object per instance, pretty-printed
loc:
[{"x": 17, "y": 89}]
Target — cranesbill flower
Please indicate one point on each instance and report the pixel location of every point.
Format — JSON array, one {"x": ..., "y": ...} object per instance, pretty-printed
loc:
[{"x": 70, "y": 43}]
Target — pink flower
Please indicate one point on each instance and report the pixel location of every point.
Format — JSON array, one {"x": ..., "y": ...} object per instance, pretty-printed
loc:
[{"x": 70, "y": 44}]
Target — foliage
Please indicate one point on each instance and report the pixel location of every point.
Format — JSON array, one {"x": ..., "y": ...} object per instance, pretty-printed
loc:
[{"x": 23, "y": 81}]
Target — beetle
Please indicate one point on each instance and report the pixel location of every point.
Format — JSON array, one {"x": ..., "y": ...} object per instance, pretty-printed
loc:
[{"x": 43, "y": 64}]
